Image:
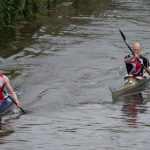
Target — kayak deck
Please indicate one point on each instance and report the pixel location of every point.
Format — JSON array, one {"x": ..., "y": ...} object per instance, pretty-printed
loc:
[
  {"x": 129, "y": 85},
  {"x": 8, "y": 106}
]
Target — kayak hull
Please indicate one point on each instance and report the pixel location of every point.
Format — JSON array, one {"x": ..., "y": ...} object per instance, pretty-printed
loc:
[{"x": 130, "y": 84}]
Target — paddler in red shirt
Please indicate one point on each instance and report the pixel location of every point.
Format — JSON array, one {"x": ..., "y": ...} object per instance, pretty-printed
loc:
[
  {"x": 135, "y": 63},
  {"x": 5, "y": 83}
]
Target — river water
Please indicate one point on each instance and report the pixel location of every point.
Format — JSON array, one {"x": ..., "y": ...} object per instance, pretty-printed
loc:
[{"x": 64, "y": 72}]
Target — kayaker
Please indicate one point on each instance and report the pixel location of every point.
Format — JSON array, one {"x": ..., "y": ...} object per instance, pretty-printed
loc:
[
  {"x": 5, "y": 83},
  {"x": 135, "y": 67}
]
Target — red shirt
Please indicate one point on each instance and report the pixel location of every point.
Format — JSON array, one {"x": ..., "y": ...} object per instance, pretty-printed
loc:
[{"x": 136, "y": 68}]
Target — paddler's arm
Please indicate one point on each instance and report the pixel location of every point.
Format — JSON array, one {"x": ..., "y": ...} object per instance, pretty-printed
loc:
[
  {"x": 148, "y": 69},
  {"x": 10, "y": 90},
  {"x": 146, "y": 64},
  {"x": 128, "y": 59}
]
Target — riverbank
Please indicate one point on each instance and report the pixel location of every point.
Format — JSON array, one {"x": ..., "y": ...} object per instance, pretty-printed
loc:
[{"x": 13, "y": 38}]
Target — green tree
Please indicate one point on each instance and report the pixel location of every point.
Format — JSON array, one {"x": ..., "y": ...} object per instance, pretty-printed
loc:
[{"x": 12, "y": 10}]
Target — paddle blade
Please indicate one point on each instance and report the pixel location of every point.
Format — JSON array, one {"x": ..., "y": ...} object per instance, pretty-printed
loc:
[
  {"x": 123, "y": 36},
  {"x": 22, "y": 110}
]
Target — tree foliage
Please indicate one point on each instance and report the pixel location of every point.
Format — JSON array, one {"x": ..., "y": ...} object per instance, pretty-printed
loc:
[{"x": 12, "y": 10}]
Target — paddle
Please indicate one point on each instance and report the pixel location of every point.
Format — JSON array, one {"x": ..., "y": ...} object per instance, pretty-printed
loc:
[
  {"x": 125, "y": 40},
  {"x": 12, "y": 100}
]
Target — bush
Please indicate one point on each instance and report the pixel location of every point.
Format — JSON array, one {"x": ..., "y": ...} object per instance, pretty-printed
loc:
[{"x": 12, "y": 10}]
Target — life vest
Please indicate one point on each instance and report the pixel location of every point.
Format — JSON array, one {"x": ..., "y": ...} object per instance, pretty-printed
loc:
[{"x": 1, "y": 86}]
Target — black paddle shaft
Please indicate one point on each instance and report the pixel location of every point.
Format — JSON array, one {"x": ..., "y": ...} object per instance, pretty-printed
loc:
[{"x": 125, "y": 40}]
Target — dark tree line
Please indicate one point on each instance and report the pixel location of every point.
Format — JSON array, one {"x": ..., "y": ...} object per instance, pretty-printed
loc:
[{"x": 13, "y": 10}]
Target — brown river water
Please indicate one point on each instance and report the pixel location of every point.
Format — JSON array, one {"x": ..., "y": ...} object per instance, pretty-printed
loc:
[{"x": 64, "y": 68}]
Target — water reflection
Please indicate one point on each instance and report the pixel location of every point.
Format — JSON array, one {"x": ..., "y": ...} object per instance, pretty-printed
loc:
[
  {"x": 132, "y": 105},
  {"x": 1, "y": 124},
  {"x": 5, "y": 130},
  {"x": 90, "y": 7}
]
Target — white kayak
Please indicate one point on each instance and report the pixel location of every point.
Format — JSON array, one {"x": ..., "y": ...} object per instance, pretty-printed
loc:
[{"x": 130, "y": 84}]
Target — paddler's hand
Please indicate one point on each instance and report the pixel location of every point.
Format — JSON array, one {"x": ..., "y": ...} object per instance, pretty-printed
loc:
[
  {"x": 129, "y": 59},
  {"x": 136, "y": 56},
  {"x": 18, "y": 104}
]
